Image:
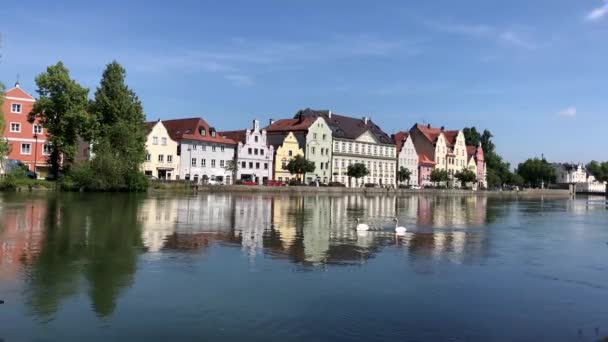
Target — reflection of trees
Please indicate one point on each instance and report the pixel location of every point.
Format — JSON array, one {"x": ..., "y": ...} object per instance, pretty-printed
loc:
[{"x": 96, "y": 236}]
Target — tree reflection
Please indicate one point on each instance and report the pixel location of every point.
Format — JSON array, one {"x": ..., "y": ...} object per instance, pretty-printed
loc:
[{"x": 96, "y": 238}]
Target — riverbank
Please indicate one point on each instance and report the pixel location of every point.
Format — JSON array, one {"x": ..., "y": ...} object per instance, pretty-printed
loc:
[{"x": 341, "y": 190}]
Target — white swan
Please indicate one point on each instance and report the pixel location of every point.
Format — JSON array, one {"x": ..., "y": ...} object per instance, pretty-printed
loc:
[
  {"x": 399, "y": 230},
  {"x": 362, "y": 227}
]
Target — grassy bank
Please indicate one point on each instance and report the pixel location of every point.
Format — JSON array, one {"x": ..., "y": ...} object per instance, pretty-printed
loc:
[{"x": 9, "y": 183}]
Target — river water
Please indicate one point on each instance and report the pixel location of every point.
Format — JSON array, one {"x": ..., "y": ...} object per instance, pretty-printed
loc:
[{"x": 255, "y": 267}]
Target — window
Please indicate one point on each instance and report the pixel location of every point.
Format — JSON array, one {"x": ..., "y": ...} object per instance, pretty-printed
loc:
[
  {"x": 257, "y": 165},
  {"x": 312, "y": 150},
  {"x": 26, "y": 148},
  {"x": 321, "y": 166},
  {"x": 161, "y": 158},
  {"x": 314, "y": 136},
  {"x": 203, "y": 132},
  {"x": 204, "y": 147},
  {"x": 148, "y": 157},
  {"x": 46, "y": 149},
  {"x": 251, "y": 165},
  {"x": 15, "y": 108},
  {"x": 193, "y": 162},
  {"x": 212, "y": 162},
  {"x": 222, "y": 148},
  {"x": 324, "y": 136},
  {"x": 221, "y": 163},
  {"x": 249, "y": 150},
  {"x": 283, "y": 165},
  {"x": 213, "y": 133},
  {"x": 194, "y": 146},
  {"x": 169, "y": 158},
  {"x": 163, "y": 141},
  {"x": 204, "y": 162},
  {"x": 265, "y": 166},
  {"x": 290, "y": 153},
  {"x": 37, "y": 129},
  {"x": 256, "y": 138},
  {"x": 255, "y": 151},
  {"x": 243, "y": 165},
  {"x": 261, "y": 151},
  {"x": 15, "y": 127},
  {"x": 154, "y": 140},
  {"x": 213, "y": 148}
]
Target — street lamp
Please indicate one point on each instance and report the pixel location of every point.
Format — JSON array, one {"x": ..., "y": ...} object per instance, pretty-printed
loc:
[
  {"x": 190, "y": 163},
  {"x": 35, "y": 151}
]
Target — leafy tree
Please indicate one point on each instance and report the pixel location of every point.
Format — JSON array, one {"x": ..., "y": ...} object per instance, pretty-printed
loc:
[
  {"x": 356, "y": 171},
  {"x": 404, "y": 174},
  {"x": 598, "y": 170},
  {"x": 300, "y": 166},
  {"x": 493, "y": 179},
  {"x": 61, "y": 110},
  {"x": 536, "y": 171},
  {"x": 233, "y": 167},
  {"x": 439, "y": 176},
  {"x": 516, "y": 179},
  {"x": 466, "y": 176},
  {"x": 471, "y": 136}
]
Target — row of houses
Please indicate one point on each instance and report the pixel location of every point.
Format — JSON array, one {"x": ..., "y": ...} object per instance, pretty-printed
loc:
[
  {"x": 571, "y": 173},
  {"x": 191, "y": 149}
]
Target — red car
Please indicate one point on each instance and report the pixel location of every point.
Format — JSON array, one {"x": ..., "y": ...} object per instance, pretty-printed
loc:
[
  {"x": 274, "y": 183},
  {"x": 250, "y": 183}
]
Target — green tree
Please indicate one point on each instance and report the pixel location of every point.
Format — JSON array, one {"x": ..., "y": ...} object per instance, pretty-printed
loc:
[
  {"x": 356, "y": 171},
  {"x": 299, "y": 166},
  {"x": 439, "y": 176},
  {"x": 536, "y": 172},
  {"x": 471, "y": 136},
  {"x": 61, "y": 110},
  {"x": 404, "y": 174},
  {"x": 233, "y": 167},
  {"x": 466, "y": 176},
  {"x": 598, "y": 170}
]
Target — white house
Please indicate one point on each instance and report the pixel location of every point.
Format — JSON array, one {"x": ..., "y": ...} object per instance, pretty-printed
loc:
[
  {"x": 407, "y": 157},
  {"x": 569, "y": 173},
  {"x": 254, "y": 156},
  {"x": 204, "y": 153}
]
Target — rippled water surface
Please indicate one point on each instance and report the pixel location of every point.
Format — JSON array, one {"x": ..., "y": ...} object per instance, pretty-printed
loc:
[{"x": 283, "y": 268}]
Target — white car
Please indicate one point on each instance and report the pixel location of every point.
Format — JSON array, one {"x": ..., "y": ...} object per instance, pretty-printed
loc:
[
  {"x": 214, "y": 182},
  {"x": 415, "y": 187}
]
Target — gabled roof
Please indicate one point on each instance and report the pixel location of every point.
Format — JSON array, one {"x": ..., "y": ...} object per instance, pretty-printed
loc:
[
  {"x": 237, "y": 136},
  {"x": 148, "y": 126},
  {"x": 17, "y": 92},
  {"x": 429, "y": 132},
  {"x": 471, "y": 150},
  {"x": 190, "y": 129},
  {"x": 347, "y": 127},
  {"x": 290, "y": 125},
  {"x": 424, "y": 159},
  {"x": 450, "y": 137},
  {"x": 399, "y": 138}
]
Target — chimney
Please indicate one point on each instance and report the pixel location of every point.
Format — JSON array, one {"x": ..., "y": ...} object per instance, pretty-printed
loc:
[
  {"x": 256, "y": 125},
  {"x": 428, "y": 126},
  {"x": 329, "y": 114},
  {"x": 270, "y": 121},
  {"x": 442, "y": 128},
  {"x": 365, "y": 119}
]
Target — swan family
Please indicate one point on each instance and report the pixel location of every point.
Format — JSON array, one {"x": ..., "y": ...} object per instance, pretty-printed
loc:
[{"x": 362, "y": 227}]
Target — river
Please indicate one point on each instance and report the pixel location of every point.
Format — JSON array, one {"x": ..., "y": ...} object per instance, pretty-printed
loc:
[{"x": 233, "y": 267}]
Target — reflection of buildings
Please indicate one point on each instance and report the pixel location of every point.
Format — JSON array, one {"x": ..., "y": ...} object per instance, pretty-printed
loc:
[
  {"x": 20, "y": 235},
  {"x": 285, "y": 211},
  {"x": 158, "y": 217},
  {"x": 252, "y": 214},
  {"x": 451, "y": 211}
]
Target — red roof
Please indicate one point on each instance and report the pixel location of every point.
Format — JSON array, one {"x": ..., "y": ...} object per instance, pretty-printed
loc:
[
  {"x": 471, "y": 150},
  {"x": 291, "y": 125},
  {"x": 18, "y": 92},
  {"x": 429, "y": 132},
  {"x": 424, "y": 159},
  {"x": 191, "y": 129},
  {"x": 450, "y": 137},
  {"x": 149, "y": 125},
  {"x": 399, "y": 139},
  {"x": 237, "y": 136}
]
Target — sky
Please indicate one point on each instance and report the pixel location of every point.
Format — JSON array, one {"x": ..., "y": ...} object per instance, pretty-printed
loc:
[{"x": 535, "y": 73}]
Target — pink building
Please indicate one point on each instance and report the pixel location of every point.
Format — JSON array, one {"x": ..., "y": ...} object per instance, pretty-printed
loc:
[
  {"x": 426, "y": 165},
  {"x": 476, "y": 152}
]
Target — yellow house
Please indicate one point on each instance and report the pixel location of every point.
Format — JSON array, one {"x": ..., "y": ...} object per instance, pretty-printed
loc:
[
  {"x": 162, "y": 161},
  {"x": 284, "y": 153}
]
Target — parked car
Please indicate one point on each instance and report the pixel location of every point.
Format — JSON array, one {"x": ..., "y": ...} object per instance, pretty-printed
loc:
[
  {"x": 249, "y": 183},
  {"x": 415, "y": 187},
  {"x": 214, "y": 182},
  {"x": 14, "y": 166},
  {"x": 273, "y": 183}
]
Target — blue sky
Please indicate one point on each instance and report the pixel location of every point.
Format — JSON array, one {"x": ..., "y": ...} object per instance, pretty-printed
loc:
[{"x": 533, "y": 72}]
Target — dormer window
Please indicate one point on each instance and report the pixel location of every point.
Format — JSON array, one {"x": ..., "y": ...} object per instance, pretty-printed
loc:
[
  {"x": 202, "y": 131},
  {"x": 213, "y": 134}
]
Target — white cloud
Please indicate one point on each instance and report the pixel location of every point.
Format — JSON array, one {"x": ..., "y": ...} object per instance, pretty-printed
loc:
[
  {"x": 598, "y": 13},
  {"x": 569, "y": 112}
]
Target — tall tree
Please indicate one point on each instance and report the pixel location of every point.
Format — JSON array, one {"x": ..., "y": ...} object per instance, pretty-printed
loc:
[
  {"x": 598, "y": 170},
  {"x": 61, "y": 110},
  {"x": 465, "y": 176},
  {"x": 356, "y": 171},
  {"x": 471, "y": 136},
  {"x": 439, "y": 176}
]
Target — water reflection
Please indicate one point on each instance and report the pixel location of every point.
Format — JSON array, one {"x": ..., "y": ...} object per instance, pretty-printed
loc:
[{"x": 67, "y": 245}]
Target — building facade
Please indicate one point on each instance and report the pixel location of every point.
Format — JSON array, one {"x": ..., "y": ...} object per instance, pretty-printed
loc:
[
  {"x": 359, "y": 141},
  {"x": 203, "y": 152},
  {"x": 407, "y": 157},
  {"x": 162, "y": 161},
  {"x": 314, "y": 136},
  {"x": 456, "y": 156},
  {"x": 285, "y": 151},
  {"x": 254, "y": 157},
  {"x": 28, "y": 141},
  {"x": 569, "y": 173},
  {"x": 477, "y": 158}
]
